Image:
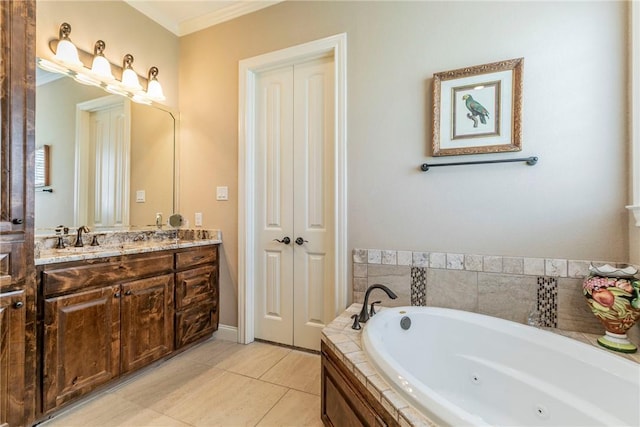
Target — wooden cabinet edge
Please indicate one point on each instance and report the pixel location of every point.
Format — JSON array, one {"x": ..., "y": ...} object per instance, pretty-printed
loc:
[{"x": 352, "y": 393}]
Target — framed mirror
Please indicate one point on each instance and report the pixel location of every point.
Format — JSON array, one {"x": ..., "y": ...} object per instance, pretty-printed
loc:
[{"x": 110, "y": 161}]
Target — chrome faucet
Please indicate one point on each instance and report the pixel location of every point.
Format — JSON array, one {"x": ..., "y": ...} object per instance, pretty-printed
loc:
[
  {"x": 364, "y": 314},
  {"x": 81, "y": 229},
  {"x": 159, "y": 220}
]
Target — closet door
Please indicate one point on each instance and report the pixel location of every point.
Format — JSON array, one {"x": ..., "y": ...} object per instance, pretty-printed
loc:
[
  {"x": 274, "y": 206},
  {"x": 294, "y": 181}
]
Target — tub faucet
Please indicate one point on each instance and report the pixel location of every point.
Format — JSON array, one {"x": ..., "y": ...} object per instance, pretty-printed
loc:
[
  {"x": 364, "y": 315},
  {"x": 81, "y": 229}
]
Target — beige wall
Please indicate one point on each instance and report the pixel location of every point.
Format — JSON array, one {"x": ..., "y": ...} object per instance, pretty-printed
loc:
[
  {"x": 121, "y": 27},
  {"x": 571, "y": 205},
  {"x": 634, "y": 241}
]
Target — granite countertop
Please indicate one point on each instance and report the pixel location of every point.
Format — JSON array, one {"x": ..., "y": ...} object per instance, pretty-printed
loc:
[
  {"x": 346, "y": 344},
  {"x": 121, "y": 243}
]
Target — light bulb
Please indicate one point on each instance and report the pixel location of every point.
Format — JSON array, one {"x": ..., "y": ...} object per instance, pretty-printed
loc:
[
  {"x": 129, "y": 77},
  {"x": 101, "y": 66},
  {"x": 154, "y": 89},
  {"x": 66, "y": 51}
]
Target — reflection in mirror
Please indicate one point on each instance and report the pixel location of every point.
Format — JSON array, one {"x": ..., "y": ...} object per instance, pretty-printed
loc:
[{"x": 111, "y": 161}]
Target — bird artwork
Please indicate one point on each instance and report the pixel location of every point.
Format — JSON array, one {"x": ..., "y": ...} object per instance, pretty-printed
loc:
[{"x": 477, "y": 111}]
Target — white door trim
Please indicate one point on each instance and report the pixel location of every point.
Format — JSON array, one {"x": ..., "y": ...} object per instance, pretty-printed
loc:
[{"x": 335, "y": 46}]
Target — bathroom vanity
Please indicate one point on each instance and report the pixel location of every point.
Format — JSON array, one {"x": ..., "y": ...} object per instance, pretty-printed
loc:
[{"x": 118, "y": 309}]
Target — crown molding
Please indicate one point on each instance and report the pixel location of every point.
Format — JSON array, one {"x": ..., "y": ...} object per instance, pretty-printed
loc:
[
  {"x": 222, "y": 15},
  {"x": 192, "y": 25}
]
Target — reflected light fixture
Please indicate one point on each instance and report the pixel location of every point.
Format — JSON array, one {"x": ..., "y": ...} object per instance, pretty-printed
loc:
[
  {"x": 154, "y": 89},
  {"x": 129, "y": 77}
]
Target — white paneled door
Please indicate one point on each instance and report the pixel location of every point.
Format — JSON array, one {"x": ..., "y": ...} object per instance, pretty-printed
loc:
[{"x": 294, "y": 203}]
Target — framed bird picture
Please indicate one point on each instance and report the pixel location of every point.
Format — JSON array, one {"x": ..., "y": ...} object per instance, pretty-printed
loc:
[{"x": 478, "y": 109}]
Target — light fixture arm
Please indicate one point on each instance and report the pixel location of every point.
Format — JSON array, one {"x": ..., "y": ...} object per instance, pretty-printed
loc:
[
  {"x": 98, "y": 48},
  {"x": 65, "y": 30},
  {"x": 153, "y": 73}
]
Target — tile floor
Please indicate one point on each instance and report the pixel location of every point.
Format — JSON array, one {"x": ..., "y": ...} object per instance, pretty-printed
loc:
[{"x": 217, "y": 383}]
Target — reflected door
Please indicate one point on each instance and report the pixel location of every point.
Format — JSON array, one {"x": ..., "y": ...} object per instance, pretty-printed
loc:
[
  {"x": 103, "y": 157},
  {"x": 294, "y": 182}
]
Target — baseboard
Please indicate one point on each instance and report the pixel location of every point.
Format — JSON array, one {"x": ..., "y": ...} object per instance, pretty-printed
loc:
[{"x": 226, "y": 332}]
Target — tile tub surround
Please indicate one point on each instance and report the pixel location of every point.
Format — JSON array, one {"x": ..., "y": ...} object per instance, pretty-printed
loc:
[
  {"x": 346, "y": 344},
  {"x": 502, "y": 286},
  {"x": 113, "y": 243}
]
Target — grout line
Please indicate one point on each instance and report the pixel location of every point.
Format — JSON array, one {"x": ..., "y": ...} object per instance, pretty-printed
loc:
[{"x": 274, "y": 405}]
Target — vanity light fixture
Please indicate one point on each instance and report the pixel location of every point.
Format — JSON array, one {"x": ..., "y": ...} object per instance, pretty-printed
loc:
[
  {"x": 101, "y": 66},
  {"x": 66, "y": 60},
  {"x": 66, "y": 51},
  {"x": 154, "y": 89},
  {"x": 129, "y": 77}
]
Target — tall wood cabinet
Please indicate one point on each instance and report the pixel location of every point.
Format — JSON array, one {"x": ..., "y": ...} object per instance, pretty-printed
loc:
[{"x": 17, "y": 271}]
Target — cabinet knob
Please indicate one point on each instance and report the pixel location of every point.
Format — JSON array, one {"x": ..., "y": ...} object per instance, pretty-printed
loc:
[
  {"x": 17, "y": 221},
  {"x": 116, "y": 295},
  {"x": 18, "y": 304},
  {"x": 128, "y": 292}
]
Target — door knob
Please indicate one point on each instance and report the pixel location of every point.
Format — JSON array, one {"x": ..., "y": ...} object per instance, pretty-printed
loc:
[
  {"x": 286, "y": 240},
  {"x": 300, "y": 241}
]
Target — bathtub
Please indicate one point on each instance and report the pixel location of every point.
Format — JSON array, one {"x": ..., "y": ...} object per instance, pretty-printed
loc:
[{"x": 461, "y": 368}]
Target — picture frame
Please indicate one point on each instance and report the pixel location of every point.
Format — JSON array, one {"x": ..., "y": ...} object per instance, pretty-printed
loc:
[{"x": 478, "y": 109}]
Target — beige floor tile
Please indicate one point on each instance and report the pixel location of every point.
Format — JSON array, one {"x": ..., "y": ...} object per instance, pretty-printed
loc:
[
  {"x": 212, "y": 352},
  {"x": 174, "y": 380},
  {"x": 254, "y": 359},
  {"x": 229, "y": 400},
  {"x": 111, "y": 410},
  {"x": 294, "y": 409},
  {"x": 297, "y": 370}
]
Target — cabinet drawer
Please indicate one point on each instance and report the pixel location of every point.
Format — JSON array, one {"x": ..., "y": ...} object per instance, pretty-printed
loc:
[
  {"x": 196, "y": 256},
  {"x": 196, "y": 322},
  {"x": 196, "y": 285},
  {"x": 58, "y": 280}
]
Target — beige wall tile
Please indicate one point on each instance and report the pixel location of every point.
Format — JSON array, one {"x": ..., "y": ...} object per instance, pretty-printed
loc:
[
  {"x": 513, "y": 265},
  {"x": 455, "y": 261},
  {"x": 359, "y": 270},
  {"x": 452, "y": 289},
  {"x": 421, "y": 259},
  {"x": 473, "y": 262},
  {"x": 507, "y": 296},
  {"x": 492, "y": 264},
  {"x": 405, "y": 257},
  {"x": 389, "y": 257},
  {"x": 395, "y": 277},
  {"x": 534, "y": 266},
  {"x": 360, "y": 256},
  {"x": 574, "y": 313},
  {"x": 437, "y": 260}
]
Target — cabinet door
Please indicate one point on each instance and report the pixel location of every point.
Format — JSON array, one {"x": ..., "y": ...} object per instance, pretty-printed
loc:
[
  {"x": 12, "y": 357},
  {"x": 196, "y": 285},
  {"x": 195, "y": 322},
  {"x": 81, "y": 343},
  {"x": 147, "y": 321}
]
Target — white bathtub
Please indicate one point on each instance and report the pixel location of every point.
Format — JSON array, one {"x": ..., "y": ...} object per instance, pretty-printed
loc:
[{"x": 461, "y": 368}]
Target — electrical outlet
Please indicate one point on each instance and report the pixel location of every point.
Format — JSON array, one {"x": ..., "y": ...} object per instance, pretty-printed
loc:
[
  {"x": 198, "y": 219},
  {"x": 140, "y": 196},
  {"x": 222, "y": 193}
]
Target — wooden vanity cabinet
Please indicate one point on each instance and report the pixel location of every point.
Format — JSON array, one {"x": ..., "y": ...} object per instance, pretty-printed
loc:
[
  {"x": 101, "y": 320},
  {"x": 196, "y": 294},
  {"x": 107, "y": 317},
  {"x": 12, "y": 357}
]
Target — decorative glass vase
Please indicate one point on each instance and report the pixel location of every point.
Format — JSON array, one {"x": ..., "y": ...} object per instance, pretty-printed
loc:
[{"x": 613, "y": 294}]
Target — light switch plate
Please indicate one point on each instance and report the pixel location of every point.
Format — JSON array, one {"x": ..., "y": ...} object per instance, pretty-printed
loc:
[
  {"x": 222, "y": 193},
  {"x": 140, "y": 196},
  {"x": 198, "y": 220}
]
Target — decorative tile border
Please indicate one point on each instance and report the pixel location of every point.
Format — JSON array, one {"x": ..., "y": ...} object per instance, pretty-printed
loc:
[
  {"x": 547, "y": 302},
  {"x": 552, "y": 267},
  {"x": 418, "y": 286}
]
